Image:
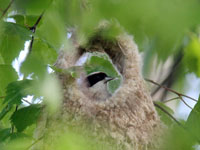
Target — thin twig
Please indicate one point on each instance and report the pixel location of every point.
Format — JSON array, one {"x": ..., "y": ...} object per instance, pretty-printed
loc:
[
  {"x": 178, "y": 98},
  {"x": 33, "y": 29},
  {"x": 2, "y": 96},
  {"x": 5, "y": 11},
  {"x": 173, "y": 91},
  {"x": 169, "y": 100},
  {"x": 185, "y": 103},
  {"x": 167, "y": 113}
]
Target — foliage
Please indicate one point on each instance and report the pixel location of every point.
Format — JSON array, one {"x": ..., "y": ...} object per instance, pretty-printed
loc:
[
  {"x": 162, "y": 29},
  {"x": 192, "y": 55},
  {"x": 25, "y": 117}
]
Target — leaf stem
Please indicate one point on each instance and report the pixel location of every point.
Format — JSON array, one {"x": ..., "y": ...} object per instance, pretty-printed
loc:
[
  {"x": 13, "y": 127},
  {"x": 169, "y": 100}
]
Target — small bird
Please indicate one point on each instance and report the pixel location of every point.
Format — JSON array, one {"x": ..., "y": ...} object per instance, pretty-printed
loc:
[{"x": 95, "y": 86}]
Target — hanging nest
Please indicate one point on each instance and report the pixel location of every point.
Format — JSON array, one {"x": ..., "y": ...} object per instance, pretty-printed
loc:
[{"x": 127, "y": 120}]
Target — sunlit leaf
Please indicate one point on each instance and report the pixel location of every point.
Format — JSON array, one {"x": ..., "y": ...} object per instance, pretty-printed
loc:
[
  {"x": 35, "y": 66},
  {"x": 41, "y": 55},
  {"x": 12, "y": 39},
  {"x": 52, "y": 29},
  {"x": 192, "y": 56},
  {"x": 42, "y": 51}
]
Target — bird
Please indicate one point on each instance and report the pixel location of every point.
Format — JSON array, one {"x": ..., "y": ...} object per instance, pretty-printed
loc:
[{"x": 95, "y": 85}]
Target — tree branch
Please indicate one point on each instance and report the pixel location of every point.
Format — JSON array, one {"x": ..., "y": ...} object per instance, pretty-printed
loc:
[
  {"x": 5, "y": 11},
  {"x": 168, "y": 89},
  {"x": 33, "y": 28}
]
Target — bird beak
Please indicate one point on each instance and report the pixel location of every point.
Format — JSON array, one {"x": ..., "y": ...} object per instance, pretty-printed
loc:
[{"x": 109, "y": 79}]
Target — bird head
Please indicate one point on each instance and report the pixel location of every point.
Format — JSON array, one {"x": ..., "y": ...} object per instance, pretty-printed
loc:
[
  {"x": 95, "y": 86},
  {"x": 96, "y": 77}
]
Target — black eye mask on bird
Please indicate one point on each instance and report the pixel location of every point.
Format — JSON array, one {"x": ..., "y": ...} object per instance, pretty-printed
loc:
[{"x": 96, "y": 77}]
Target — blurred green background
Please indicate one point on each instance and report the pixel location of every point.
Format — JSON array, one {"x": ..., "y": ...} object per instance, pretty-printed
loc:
[{"x": 33, "y": 31}]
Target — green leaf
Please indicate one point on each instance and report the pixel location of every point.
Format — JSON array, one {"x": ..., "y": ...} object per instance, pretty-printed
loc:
[
  {"x": 52, "y": 29},
  {"x": 100, "y": 62},
  {"x": 192, "y": 56},
  {"x": 40, "y": 56},
  {"x": 15, "y": 91},
  {"x": 25, "y": 117},
  {"x": 163, "y": 116},
  {"x": 31, "y": 7},
  {"x": 12, "y": 39},
  {"x": 3, "y": 5},
  {"x": 4, "y": 134},
  {"x": 5, "y": 111},
  {"x": 26, "y": 20},
  {"x": 177, "y": 138},
  {"x": 71, "y": 71},
  {"x": 33, "y": 65},
  {"x": 17, "y": 136},
  {"x": 193, "y": 121},
  {"x": 7, "y": 75},
  {"x": 19, "y": 19},
  {"x": 41, "y": 50}
]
